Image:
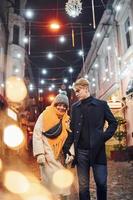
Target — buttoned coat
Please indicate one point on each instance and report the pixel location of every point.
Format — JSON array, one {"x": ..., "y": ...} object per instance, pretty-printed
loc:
[{"x": 100, "y": 112}]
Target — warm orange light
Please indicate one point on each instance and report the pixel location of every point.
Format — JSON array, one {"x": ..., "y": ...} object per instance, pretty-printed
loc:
[
  {"x": 55, "y": 25},
  {"x": 51, "y": 98}
]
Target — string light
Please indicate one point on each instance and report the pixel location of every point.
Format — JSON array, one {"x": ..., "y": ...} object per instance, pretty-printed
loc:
[
  {"x": 71, "y": 3},
  {"x": 62, "y": 39}
]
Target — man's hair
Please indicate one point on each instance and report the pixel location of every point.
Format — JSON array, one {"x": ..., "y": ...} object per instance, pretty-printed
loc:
[{"x": 81, "y": 82}]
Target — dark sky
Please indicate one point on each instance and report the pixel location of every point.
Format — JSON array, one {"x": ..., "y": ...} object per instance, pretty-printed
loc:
[{"x": 44, "y": 40}]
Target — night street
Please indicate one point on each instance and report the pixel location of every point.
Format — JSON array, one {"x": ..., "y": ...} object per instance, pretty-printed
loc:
[
  {"x": 66, "y": 98},
  {"x": 120, "y": 179}
]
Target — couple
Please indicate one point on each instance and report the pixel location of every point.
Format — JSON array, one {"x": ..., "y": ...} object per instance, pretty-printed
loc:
[{"x": 88, "y": 116}]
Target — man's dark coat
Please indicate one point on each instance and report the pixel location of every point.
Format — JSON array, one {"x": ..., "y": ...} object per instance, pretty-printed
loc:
[{"x": 98, "y": 136}]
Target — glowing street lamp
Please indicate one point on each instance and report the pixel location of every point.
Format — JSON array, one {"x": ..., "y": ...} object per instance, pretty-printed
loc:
[
  {"x": 42, "y": 81},
  {"x": 50, "y": 55},
  {"x": 70, "y": 70},
  {"x": 29, "y": 14},
  {"x": 44, "y": 71},
  {"x": 80, "y": 53},
  {"x": 25, "y": 40},
  {"x": 62, "y": 39},
  {"x": 65, "y": 80},
  {"x": 55, "y": 26},
  {"x": 53, "y": 86}
]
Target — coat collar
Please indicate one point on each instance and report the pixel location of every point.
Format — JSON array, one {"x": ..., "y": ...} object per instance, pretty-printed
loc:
[{"x": 93, "y": 102}]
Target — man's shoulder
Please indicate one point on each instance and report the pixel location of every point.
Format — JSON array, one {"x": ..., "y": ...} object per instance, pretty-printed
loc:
[
  {"x": 94, "y": 100},
  {"x": 99, "y": 101},
  {"x": 75, "y": 104}
]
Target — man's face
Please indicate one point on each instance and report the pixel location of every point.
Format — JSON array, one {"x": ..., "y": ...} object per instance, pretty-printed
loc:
[{"x": 81, "y": 92}]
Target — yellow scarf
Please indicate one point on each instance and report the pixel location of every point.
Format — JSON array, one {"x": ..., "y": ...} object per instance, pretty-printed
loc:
[{"x": 50, "y": 119}]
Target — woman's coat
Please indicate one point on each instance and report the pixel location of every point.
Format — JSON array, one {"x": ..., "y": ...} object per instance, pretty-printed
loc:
[{"x": 41, "y": 146}]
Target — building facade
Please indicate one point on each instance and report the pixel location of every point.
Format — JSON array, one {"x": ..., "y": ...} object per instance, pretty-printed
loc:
[
  {"x": 12, "y": 41},
  {"x": 3, "y": 42},
  {"x": 16, "y": 46},
  {"x": 109, "y": 63}
]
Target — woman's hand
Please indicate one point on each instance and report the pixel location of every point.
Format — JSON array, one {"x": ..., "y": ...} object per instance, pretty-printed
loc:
[{"x": 41, "y": 159}]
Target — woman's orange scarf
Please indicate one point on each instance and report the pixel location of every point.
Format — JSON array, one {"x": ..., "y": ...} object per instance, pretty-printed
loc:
[{"x": 50, "y": 119}]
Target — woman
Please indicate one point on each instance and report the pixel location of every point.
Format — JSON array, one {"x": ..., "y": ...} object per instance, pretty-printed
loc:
[{"x": 49, "y": 135}]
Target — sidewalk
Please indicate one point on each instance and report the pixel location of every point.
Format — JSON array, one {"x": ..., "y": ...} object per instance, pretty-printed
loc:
[{"x": 120, "y": 178}]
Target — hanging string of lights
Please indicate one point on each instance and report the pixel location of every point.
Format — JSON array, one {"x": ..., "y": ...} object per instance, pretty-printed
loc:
[
  {"x": 63, "y": 9},
  {"x": 73, "y": 8}
]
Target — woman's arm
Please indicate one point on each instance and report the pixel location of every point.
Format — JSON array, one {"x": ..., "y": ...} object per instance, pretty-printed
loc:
[{"x": 38, "y": 146}]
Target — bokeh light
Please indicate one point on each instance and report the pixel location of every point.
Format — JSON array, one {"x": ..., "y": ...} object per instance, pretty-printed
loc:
[
  {"x": 16, "y": 182},
  {"x": 13, "y": 136},
  {"x": 51, "y": 98},
  {"x": 15, "y": 89},
  {"x": 63, "y": 178}
]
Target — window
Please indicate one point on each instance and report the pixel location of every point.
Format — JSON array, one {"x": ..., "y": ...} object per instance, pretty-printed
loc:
[
  {"x": 16, "y": 34},
  {"x": 17, "y": 7},
  {"x": 127, "y": 33}
]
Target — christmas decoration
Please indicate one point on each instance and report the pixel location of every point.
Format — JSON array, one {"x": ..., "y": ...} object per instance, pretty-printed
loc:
[{"x": 73, "y": 7}]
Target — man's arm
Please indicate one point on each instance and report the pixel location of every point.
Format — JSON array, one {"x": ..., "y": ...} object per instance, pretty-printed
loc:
[
  {"x": 70, "y": 138},
  {"x": 112, "y": 123},
  {"x": 68, "y": 144}
]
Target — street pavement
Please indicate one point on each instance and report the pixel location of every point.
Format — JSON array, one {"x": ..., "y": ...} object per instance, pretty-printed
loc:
[{"x": 120, "y": 177}]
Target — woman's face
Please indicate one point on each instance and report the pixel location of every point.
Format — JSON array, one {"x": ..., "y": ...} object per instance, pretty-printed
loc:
[{"x": 61, "y": 107}]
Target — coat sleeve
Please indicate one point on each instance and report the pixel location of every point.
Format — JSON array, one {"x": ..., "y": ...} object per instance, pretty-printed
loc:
[
  {"x": 112, "y": 123},
  {"x": 70, "y": 138},
  {"x": 38, "y": 146}
]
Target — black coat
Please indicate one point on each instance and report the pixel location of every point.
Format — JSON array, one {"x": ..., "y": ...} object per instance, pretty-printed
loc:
[{"x": 100, "y": 113}]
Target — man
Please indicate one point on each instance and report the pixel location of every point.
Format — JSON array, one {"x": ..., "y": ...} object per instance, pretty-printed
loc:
[{"x": 87, "y": 123}]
